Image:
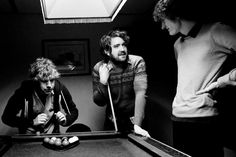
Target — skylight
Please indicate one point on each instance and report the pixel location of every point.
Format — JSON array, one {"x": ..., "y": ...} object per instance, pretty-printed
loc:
[{"x": 80, "y": 11}]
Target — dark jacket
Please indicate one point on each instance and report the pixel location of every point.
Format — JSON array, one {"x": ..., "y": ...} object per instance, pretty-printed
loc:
[{"x": 19, "y": 110}]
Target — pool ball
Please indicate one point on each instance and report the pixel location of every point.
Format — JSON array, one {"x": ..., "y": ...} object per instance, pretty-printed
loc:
[
  {"x": 53, "y": 138},
  {"x": 58, "y": 142},
  {"x": 52, "y": 141},
  {"x": 64, "y": 138},
  {"x": 38, "y": 133},
  {"x": 46, "y": 139},
  {"x": 65, "y": 142},
  {"x": 73, "y": 139}
]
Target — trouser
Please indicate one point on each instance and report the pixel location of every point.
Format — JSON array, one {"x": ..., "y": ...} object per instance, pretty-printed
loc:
[{"x": 198, "y": 138}]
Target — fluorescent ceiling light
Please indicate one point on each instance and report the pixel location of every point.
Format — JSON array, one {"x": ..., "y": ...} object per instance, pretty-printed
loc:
[{"x": 80, "y": 11}]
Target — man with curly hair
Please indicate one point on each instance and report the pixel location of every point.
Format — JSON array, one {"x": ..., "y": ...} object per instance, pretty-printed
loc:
[
  {"x": 126, "y": 76},
  {"x": 202, "y": 51},
  {"x": 36, "y": 106}
]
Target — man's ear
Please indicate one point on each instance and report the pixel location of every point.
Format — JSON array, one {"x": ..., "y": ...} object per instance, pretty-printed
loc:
[{"x": 107, "y": 53}]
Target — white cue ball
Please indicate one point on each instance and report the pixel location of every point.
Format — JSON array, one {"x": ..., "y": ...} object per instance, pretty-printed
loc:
[{"x": 73, "y": 139}]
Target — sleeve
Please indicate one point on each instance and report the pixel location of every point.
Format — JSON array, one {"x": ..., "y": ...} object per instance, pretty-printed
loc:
[
  {"x": 100, "y": 93},
  {"x": 232, "y": 75},
  {"x": 225, "y": 36},
  {"x": 13, "y": 112},
  {"x": 68, "y": 106},
  {"x": 140, "y": 87},
  {"x": 228, "y": 79}
]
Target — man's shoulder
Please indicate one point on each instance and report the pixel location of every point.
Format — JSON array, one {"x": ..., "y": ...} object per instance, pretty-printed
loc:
[
  {"x": 220, "y": 27},
  {"x": 98, "y": 64},
  {"x": 135, "y": 58}
]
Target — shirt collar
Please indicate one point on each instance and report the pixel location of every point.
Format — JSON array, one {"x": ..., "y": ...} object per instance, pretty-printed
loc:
[{"x": 195, "y": 30}]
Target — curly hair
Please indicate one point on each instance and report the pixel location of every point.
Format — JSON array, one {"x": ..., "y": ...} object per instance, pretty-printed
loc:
[
  {"x": 105, "y": 41},
  {"x": 164, "y": 9},
  {"x": 171, "y": 9},
  {"x": 43, "y": 69}
]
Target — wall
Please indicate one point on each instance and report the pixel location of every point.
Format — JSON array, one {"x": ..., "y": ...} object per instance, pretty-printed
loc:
[{"x": 21, "y": 42}]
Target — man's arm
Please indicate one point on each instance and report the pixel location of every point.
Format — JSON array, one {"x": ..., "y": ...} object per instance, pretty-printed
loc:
[
  {"x": 100, "y": 93},
  {"x": 224, "y": 36},
  {"x": 223, "y": 81},
  {"x": 67, "y": 101},
  {"x": 140, "y": 87},
  {"x": 13, "y": 112},
  {"x": 140, "y": 103}
]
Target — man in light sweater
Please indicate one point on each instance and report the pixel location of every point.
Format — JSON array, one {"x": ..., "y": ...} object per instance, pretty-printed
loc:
[{"x": 201, "y": 53}]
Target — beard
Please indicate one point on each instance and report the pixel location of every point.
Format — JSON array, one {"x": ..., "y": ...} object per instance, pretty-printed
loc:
[{"x": 123, "y": 64}]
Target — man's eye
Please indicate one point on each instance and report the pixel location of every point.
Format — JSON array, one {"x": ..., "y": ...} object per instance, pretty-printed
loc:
[
  {"x": 52, "y": 80},
  {"x": 44, "y": 81}
]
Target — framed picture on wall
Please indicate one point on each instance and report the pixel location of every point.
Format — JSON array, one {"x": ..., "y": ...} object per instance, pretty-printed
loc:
[{"x": 70, "y": 56}]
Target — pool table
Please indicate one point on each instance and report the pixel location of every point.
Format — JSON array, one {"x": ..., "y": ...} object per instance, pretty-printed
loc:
[{"x": 91, "y": 144}]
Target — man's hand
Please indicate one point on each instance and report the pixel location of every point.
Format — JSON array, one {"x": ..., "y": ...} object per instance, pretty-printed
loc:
[
  {"x": 138, "y": 130},
  {"x": 40, "y": 119},
  {"x": 209, "y": 88},
  {"x": 220, "y": 83},
  {"x": 61, "y": 117},
  {"x": 104, "y": 73}
]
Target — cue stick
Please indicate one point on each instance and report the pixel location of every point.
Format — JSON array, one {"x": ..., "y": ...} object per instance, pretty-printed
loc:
[
  {"x": 65, "y": 103},
  {"x": 112, "y": 107}
]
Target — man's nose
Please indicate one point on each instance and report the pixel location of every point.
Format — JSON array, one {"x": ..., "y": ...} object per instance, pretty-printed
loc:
[
  {"x": 163, "y": 26},
  {"x": 49, "y": 84},
  {"x": 122, "y": 48}
]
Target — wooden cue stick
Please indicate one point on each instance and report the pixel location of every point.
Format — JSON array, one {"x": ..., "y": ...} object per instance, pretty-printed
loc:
[
  {"x": 65, "y": 103},
  {"x": 112, "y": 107}
]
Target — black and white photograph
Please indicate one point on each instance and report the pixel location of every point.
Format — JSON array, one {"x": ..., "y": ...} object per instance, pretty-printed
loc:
[{"x": 118, "y": 78}]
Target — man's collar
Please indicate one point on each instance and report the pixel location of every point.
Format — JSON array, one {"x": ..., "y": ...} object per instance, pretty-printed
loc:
[{"x": 195, "y": 30}]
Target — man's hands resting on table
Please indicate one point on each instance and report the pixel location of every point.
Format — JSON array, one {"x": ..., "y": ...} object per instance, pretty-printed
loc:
[{"x": 138, "y": 130}]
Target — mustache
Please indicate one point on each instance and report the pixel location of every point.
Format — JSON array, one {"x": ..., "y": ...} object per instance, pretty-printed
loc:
[
  {"x": 122, "y": 53},
  {"x": 49, "y": 90}
]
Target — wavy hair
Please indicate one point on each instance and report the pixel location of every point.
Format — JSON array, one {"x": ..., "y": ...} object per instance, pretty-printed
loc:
[
  {"x": 43, "y": 69},
  {"x": 171, "y": 9}
]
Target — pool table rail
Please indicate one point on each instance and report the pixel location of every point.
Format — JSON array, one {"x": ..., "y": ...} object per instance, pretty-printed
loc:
[{"x": 155, "y": 147}]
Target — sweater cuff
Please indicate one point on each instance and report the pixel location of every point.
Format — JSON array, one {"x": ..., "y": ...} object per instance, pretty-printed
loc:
[
  {"x": 223, "y": 80},
  {"x": 232, "y": 75},
  {"x": 138, "y": 120}
]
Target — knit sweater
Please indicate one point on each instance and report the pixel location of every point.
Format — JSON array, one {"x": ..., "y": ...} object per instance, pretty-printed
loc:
[{"x": 128, "y": 88}]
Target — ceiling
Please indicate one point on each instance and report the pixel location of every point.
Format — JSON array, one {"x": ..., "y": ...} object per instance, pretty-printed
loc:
[{"x": 33, "y": 6}]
